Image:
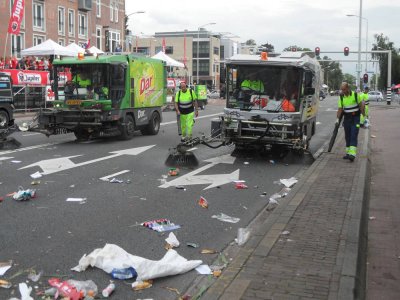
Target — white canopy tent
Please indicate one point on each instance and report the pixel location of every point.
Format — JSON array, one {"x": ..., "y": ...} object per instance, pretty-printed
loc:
[
  {"x": 48, "y": 47},
  {"x": 75, "y": 47},
  {"x": 168, "y": 60},
  {"x": 95, "y": 50}
]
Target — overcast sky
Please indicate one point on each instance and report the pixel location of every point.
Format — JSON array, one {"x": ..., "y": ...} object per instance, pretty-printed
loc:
[{"x": 282, "y": 23}]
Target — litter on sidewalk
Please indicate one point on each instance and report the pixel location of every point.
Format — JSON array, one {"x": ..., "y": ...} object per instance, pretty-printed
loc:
[
  {"x": 242, "y": 236},
  {"x": 204, "y": 270}
]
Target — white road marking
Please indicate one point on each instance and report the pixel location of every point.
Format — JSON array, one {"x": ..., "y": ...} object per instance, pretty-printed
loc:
[
  {"x": 201, "y": 117},
  {"x": 50, "y": 166},
  {"x": 5, "y": 158},
  {"x": 30, "y": 148},
  {"x": 106, "y": 178},
  {"x": 212, "y": 180}
]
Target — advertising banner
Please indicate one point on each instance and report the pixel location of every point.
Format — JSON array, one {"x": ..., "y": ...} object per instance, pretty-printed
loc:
[
  {"x": 16, "y": 17},
  {"x": 34, "y": 78}
]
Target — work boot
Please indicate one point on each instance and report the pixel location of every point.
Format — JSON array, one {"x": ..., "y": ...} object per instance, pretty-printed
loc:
[
  {"x": 346, "y": 156},
  {"x": 183, "y": 139},
  {"x": 352, "y": 157}
]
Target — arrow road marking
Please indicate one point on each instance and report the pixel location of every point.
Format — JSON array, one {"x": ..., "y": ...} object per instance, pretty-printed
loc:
[
  {"x": 107, "y": 178},
  {"x": 212, "y": 180},
  {"x": 50, "y": 166}
]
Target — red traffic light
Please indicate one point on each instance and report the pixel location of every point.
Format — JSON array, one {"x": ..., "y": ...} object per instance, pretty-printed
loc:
[
  {"x": 346, "y": 51},
  {"x": 317, "y": 50},
  {"x": 365, "y": 77}
]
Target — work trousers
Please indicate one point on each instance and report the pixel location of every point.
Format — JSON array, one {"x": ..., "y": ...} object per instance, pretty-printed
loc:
[
  {"x": 366, "y": 116},
  {"x": 187, "y": 121},
  {"x": 351, "y": 126}
]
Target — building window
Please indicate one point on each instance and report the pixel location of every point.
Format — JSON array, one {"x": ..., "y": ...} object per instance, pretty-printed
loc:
[
  {"x": 204, "y": 68},
  {"x": 71, "y": 22},
  {"x": 38, "y": 39},
  {"x": 38, "y": 16},
  {"x": 71, "y": 41},
  {"x": 168, "y": 49},
  {"x": 116, "y": 13},
  {"x": 98, "y": 8},
  {"x": 204, "y": 49},
  {"x": 17, "y": 44},
  {"x": 61, "y": 20},
  {"x": 98, "y": 38},
  {"x": 221, "y": 54},
  {"x": 82, "y": 25},
  {"x": 111, "y": 11},
  {"x": 216, "y": 50},
  {"x": 61, "y": 42},
  {"x": 114, "y": 40}
]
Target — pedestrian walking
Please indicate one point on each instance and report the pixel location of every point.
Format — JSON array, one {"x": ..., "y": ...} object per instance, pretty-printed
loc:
[
  {"x": 351, "y": 106},
  {"x": 186, "y": 108}
]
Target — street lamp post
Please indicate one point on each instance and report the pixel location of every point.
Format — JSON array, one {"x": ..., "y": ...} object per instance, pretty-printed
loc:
[
  {"x": 198, "y": 46},
  {"x": 127, "y": 18},
  {"x": 366, "y": 40}
]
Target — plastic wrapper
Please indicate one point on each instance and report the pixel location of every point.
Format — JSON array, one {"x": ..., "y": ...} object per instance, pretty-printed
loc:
[
  {"x": 283, "y": 193},
  {"x": 84, "y": 286},
  {"x": 161, "y": 225},
  {"x": 240, "y": 186},
  {"x": 203, "y": 202},
  {"x": 65, "y": 289},
  {"x": 225, "y": 218},
  {"x": 25, "y": 291},
  {"x": 125, "y": 273},
  {"x": 172, "y": 240},
  {"x": 24, "y": 195},
  {"x": 288, "y": 182},
  {"x": 242, "y": 236},
  {"x": 141, "y": 285}
]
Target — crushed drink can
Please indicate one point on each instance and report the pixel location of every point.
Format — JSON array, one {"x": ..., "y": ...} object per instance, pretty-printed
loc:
[{"x": 108, "y": 290}]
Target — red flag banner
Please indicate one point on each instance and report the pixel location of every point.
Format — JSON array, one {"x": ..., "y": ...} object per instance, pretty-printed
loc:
[
  {"x": 16, "y": 17},
  {"x": 163, "y": 45}
]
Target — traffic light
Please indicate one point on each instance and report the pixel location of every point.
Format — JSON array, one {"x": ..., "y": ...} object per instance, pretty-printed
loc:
[
  {"x": 346, "y": 51},
  {"x": 317, "y": 50},
  {"x": 365, "y": 77}
]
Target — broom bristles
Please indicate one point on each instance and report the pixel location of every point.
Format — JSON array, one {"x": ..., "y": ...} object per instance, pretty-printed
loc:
[{"x": 178, "y": 159}]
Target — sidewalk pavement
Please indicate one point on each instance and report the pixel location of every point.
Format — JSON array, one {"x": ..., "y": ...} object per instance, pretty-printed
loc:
[{"x": 313, "y": 245}]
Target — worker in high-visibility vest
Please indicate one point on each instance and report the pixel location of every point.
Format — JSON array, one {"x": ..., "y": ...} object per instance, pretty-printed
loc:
[
  {"x": 82, "y": 80},
  {"x": 186, "y": 108},
  {"x": 351, "y": 105},
  {"x": 363, "y": 117}
]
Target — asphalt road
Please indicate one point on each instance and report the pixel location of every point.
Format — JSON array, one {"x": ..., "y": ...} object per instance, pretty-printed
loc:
[{"x": 50, "y": 234}]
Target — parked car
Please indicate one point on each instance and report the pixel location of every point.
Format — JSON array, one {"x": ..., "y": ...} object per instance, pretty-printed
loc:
[{"x": 375, "y": 96}]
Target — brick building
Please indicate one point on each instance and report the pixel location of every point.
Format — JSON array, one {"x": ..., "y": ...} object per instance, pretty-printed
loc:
[{"x": 102, "y": 22}]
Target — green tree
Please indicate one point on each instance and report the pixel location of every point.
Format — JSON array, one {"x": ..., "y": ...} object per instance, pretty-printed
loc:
[
  {"x": 383, "y": 43},
  {"x": 333, "y": 75},
  {"x": 251, "y": 42},
  {"x": 350, "y": 79},
  {"x": 268, "y": 47},
  {"x": 290, "y": 48}
]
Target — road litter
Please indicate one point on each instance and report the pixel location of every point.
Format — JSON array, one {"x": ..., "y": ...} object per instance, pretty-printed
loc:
[
  {"x": 5, "y": 266},
  {"x": 246, "y": 163},
  {"x": 160, "y": 225},
  {"x": 108, "y": 290},
  {"x": 288, "y": 182},
  {"x": 193, "y": 245},
  {"x": 175, "y": 290},
  {"x": 24, "y": 195},
  {"x": 372, "y": 218},
  {"x": 240, "y": 186},
  {"x": 242, "y": 236},
  {"x": 208, "y": 251},
  {"x": 33, "y": 276},
  {"x": 79, "y": 200},
  {"x": 36, "y": 175},
  {"x": 203, "y": 202},
  {"x": 112, "y": 256},
  {"x": 282, "y": 194},
  {"x": 116, "y": 180},
  {"x": 173, "y": 172},
  {"x": 225, "y": 218},
  {"x": 272, "y": 161},
  {"x": 286, "y": 232},
  {"x": 141, "y": 285},
  {"x": 180, "y": 187},
  {"x": 35, "y": 182},
  {"x": 204, "y": 270},
  {"x": 5, "y": 284},
  {"x": 16, "y": 161},
  {"x": 172, "y": 240},
  {"x": 123, "y": 274},
  {"x": 64, "y": 289},
  {"x": 84, "y": 287},
  {"x": 25, "y": 291}
]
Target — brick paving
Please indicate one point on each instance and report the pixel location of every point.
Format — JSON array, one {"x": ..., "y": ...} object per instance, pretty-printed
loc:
[{"x": 325, "y": 215}]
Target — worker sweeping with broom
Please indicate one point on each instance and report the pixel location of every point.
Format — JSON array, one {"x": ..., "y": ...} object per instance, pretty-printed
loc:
[{"x": 186, "y": 108}]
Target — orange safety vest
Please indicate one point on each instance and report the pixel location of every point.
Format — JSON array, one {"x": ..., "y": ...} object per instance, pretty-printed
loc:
[{"x": 287, "y": 106}]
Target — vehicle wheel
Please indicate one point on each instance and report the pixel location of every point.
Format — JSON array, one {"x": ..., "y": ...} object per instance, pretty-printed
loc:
[
  {"x": 128, "y": 129},
  {"x": 154, "y": 125},
  {"x": 82, "y": 135},
  {"x": 4, "y": 119}
]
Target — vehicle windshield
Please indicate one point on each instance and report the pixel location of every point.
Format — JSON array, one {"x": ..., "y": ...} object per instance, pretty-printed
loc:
[
  {"x": 269, "y": 88},
  {"x": 90, "y": 81}
]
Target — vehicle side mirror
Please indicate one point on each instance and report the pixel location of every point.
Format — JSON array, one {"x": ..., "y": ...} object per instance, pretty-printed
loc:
[{"x": 309, "y": 91}]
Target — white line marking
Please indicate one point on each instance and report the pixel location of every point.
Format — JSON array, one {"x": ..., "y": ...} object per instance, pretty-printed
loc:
[
  {"x": 202, "y": 117},
  {"x": 106, "y": 178},
  {"x": 30, "y": 148},
  {"x": 5, "y": 158}
]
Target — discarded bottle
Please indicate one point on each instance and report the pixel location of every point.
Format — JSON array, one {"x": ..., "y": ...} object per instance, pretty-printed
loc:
[
  {"x": 108, "y": 290},
  {"x": 84, "y": 286},
  {"x": 5, "y": 284},
  {"x": 125, "y": 273}
]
